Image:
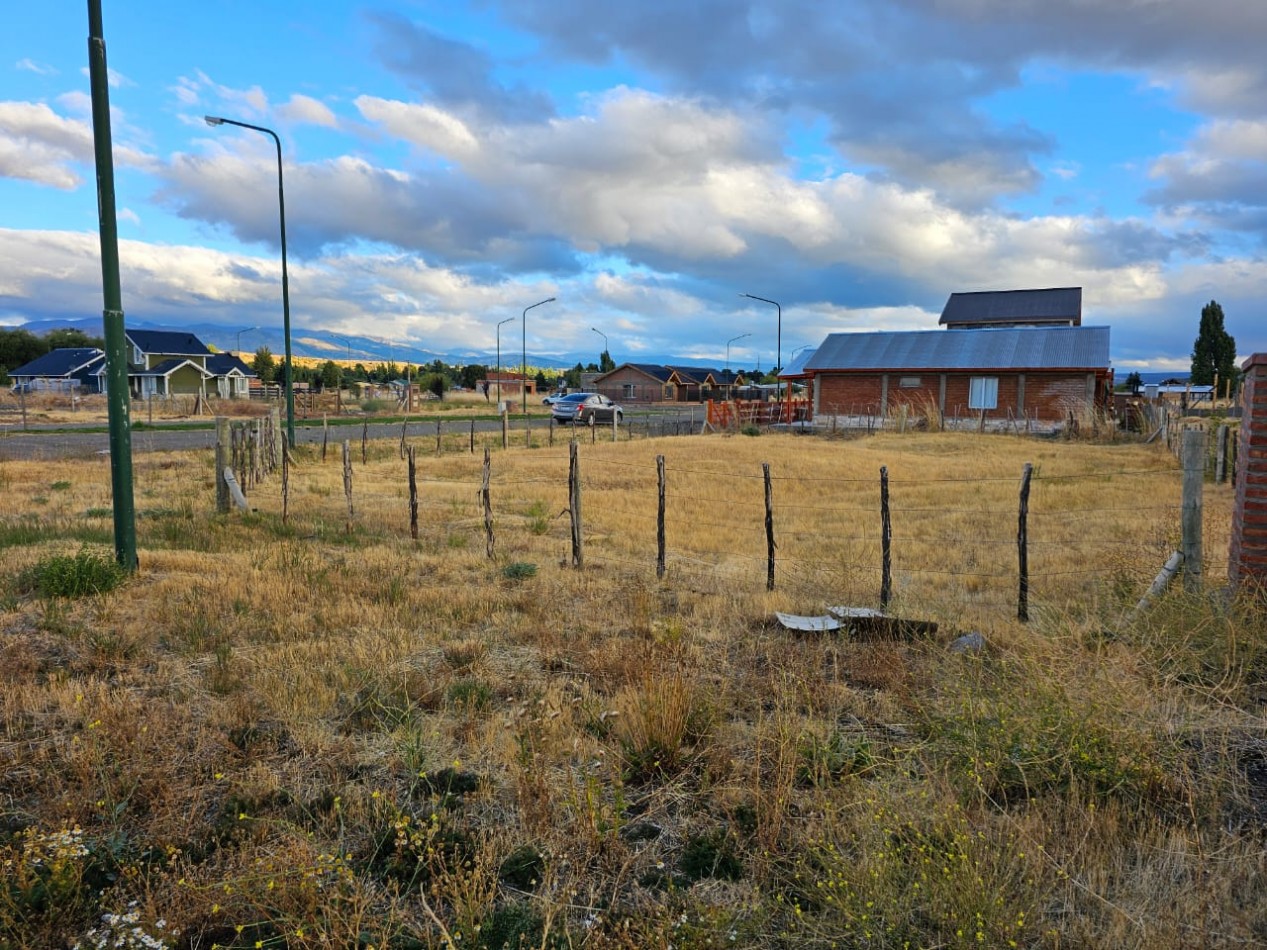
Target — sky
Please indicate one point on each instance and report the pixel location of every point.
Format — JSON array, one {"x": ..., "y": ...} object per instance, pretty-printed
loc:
[{"x": 448, "y": 164}]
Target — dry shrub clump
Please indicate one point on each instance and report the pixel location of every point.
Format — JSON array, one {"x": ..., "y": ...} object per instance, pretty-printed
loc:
[{"x": 319, "y": 732}]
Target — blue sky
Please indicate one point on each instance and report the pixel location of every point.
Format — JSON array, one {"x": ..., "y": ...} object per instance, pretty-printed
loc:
[{"x": 448, "y": 164}]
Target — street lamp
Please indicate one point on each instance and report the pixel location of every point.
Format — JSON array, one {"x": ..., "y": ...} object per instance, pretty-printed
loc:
[
  {"x": 733, "y": 339},
  {"x": 499, "y": 360},
  {"x": 215, "y": 120},
  {"x": 779, "y": 355},
  {"x": 606, "y": 348},
  {"x": 524, "y": 381},
  {"x": 240, "y": 332}
]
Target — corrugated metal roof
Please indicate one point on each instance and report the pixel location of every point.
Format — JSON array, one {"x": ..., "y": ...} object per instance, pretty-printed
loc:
[
  {"x": 59, "y": 362},
  {"x": 991, "y": 348},
  {"x": 1014, "y": 306}
]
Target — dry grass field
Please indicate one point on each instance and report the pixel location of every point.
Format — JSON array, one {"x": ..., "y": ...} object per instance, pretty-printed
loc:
[{"x": 318, "y": 732}]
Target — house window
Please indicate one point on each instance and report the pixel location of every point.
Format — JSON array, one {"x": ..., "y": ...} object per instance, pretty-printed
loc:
[
  {"x": 909, "y": 382},
  {"x": 629, "y": 391},
  {"x": 983, "y": 392}
]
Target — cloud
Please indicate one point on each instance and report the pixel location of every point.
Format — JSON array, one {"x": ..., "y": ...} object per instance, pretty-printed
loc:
[
  {"x": 30, "y": 66},
  {"x": 454, "y": 74},
  {"x": 38, "y": 145},
  {"x": 302, "y": 109},
  {"x": 253, "y": 102}
]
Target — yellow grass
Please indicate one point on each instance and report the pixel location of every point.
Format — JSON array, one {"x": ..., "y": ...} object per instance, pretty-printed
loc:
[{"x": 263, "y": 729}]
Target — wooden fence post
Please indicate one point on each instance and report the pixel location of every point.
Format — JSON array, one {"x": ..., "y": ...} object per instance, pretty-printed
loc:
[
  {"x": 275, "y": 421},
  {"x": 325, "y": 435},
  {"x": 1193, "y": 482},
  {"x": 404, "y": 428},
  {"x": 1022, "y": 546},
  {"x": 347, "y": 480},
  {"x": 505, "y": 427},
  {"x": 365, "y": 440},
  {"x": 886, "y": 541},
  {"x": 439, "y": 436},
  {"x": 659, "y": 532},
  {"x": 413, "y": 496},
  {"x": 574, "y": 505},
  {"x": 222, "y": 462},
  {"x": 285, "y": 480},
  {"x": 472, "y": 435},
  {"x": 487, "y": 502},
  {"x": 551, "y": 438},
  {"x": 769, "y": 527},
  {"x": 1220, "y": 463}
]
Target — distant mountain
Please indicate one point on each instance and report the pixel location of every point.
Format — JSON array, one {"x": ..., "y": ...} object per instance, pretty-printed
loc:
[{"x": 310, "y": 343}]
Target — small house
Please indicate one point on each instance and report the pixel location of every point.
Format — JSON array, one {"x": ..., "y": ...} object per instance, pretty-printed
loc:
[{"x": 65, "y": 370}]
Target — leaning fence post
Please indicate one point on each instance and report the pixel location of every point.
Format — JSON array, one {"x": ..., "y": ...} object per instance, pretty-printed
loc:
[
  {"x": 486, "y": 502},
  {"x": 1022, "y": 546},
  {"x": 365, "y": 440},
  {"x": 285, "y": 480},
  {"x": 659, "y": 532},
  {"x": 574, "y": 505},
  {"x": 413, "y": 495},
  {"x": 222, "y": 462},
  {"x": 347, "y": 479},
  {"x": 769, "y": 527},
  {"x": 1193, "y": 481},
  {"x": 439, "y": 436},
  {"x": 404, "y": 428},
  {"x": 886, "y": 541}
]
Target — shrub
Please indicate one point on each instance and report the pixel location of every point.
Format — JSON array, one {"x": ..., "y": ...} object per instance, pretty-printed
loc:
[
  {"x": 74, "y": 575},
  {"x": 375, "y": 405}
]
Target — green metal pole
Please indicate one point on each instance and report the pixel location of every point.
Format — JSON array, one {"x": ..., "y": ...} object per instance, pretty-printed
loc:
[{"x": 112, "y": 316}]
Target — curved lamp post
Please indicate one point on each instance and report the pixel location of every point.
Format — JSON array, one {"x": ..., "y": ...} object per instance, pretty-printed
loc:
[
  {"x": 499, "y": 359},
  {"x": 524, "y": 381},
  {"x": 606, "y": 348},
  {"x": 215, "y": 120},
  {"x": 733, "y": 339},
  {"x": 779, "y": 356},
  {"x": 240, "y": 332}
]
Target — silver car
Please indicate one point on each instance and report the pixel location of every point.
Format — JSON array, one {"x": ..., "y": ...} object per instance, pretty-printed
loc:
[{"x": 586, "y": 409}]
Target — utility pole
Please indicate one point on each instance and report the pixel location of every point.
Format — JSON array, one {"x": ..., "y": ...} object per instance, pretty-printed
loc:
[{"x": 118, "y": 407}]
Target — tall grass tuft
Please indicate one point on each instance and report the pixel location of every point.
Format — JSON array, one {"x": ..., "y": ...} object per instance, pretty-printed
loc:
[{"x": 74, "y": 575}]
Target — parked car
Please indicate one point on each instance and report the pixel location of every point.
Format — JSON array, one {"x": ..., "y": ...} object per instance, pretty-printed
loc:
[
  {"x": 554, "y": 397},
  {"x": 586, "y": 409}
]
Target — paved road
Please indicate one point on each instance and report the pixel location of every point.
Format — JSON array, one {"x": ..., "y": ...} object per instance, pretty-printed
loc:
[{"x": 52, "y": 443}]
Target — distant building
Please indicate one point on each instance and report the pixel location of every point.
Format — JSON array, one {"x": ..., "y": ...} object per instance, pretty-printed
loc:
[
  {"x": 68, "y": 369},
  {"x": 1004, "y": 353}
]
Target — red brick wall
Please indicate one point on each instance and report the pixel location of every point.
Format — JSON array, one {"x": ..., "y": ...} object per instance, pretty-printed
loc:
[
  {"x": 1247, "y": 556},
  {"x": 646, "y": 389},
  {"x": 1052, "y": 395}
]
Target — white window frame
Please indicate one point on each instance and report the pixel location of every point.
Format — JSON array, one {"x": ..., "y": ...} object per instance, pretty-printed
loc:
[
  {"x": 983, "y": 392},
  {"x": 909, "y": 382}
]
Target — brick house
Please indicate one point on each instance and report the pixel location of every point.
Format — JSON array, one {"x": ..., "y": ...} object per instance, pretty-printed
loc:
[
  {"x": 991, "y": 359},
  {"x": 649, "y": 382}
]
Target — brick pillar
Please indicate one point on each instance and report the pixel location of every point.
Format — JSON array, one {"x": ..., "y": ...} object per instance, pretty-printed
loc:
[{"x": 1247, "y": 556}]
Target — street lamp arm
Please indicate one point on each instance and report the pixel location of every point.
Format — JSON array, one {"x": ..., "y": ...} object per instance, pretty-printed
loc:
[{"x": 215, "y": 120}]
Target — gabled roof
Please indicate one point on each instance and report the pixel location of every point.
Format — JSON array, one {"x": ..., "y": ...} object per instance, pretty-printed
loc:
[
  {"x": 995, "y": 348},
  {"x": 167, "y": 367},
  {"x": 168, "y": 341},
  {"x": 693, "y": 375},
  {"x": 1059, "y": 305},
  {"x": 661, "y": 374},
  {"x": 222, "y": 364},
  {"x": 60, "y": 362}
]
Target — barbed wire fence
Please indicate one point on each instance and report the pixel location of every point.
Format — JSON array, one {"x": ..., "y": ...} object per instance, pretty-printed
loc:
[{"x": 1003, "y": 545}]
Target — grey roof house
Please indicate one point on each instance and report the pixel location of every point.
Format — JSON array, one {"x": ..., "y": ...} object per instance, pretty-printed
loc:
[{"x": 67, "y": 369}]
